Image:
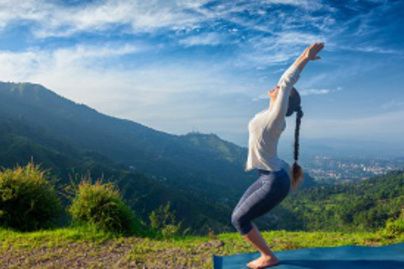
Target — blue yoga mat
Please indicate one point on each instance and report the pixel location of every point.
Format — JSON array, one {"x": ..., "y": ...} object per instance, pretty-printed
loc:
[{"x": 345, "y": 257}]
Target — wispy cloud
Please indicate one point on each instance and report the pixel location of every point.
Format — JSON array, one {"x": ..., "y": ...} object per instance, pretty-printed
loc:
[
  {"x": 60, "y": 20},
  {"x": 306, "y": 4},
  {"x": 305, "y": 92},
  {"x": 277, "y": 49},
  {"x": 206, "y": 39},
  {"x": 369, "y": 49},
  {"x": 19, "y": 66},
  {"x": 279, "y": 33}
]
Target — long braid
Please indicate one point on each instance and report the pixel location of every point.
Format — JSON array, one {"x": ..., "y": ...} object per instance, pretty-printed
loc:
[
  {"x": 299, "y": 115},
  {"x": 297, "y": 171}
]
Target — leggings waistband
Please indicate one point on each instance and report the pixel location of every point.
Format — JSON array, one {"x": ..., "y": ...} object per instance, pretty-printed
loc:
[{"x": 263, "y": 171}]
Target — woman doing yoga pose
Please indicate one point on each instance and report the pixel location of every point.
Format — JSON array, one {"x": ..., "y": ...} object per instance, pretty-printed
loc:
[{"x": 275, "y": 175}]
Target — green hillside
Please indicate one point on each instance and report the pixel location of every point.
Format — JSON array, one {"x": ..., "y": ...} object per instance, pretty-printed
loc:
[{"x": 143, "y": 193}]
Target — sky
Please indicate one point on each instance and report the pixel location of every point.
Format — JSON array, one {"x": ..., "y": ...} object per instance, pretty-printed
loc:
[{"x": 206, "y": 66}]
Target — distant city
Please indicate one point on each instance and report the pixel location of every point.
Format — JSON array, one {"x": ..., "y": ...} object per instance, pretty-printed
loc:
[{"x": 331, "y": 170}]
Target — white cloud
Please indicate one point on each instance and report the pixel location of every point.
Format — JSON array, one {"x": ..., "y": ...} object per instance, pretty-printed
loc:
[
  {"x": 183, "y": 16},
  {"x": 141, "y": 16},
  {"x": 11, "y": 11},
  {"x": 360, "y": 48},
  {"x": 305, "y": 92},
  {"x": 276, "y": 49},
  {"x": 306, "y": 4},
  {"x": 52, "y": 19},
  {"x": 206, "y": 39},
  {"x": 47, "y": 18},
  {"x": 297, "y": 38},
  {"x": 24, "y": 65}
]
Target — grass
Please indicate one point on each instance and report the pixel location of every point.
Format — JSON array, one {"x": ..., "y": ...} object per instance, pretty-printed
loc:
[
  {"x": 56, "y": 237},
  {"x": 76, "y": 247}
]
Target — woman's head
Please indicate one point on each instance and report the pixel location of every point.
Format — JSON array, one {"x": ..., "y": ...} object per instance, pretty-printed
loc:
[
  {"x": 294, "y": 102},
  {"x": 294, "y": 99},
  {"x": 294, "y": 106}
]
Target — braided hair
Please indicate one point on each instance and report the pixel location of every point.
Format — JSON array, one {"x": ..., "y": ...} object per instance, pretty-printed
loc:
[{"x": 294, "y": 106}]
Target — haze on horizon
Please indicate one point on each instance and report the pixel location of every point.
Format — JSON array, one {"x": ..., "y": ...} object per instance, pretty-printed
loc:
[{"x": 181, "y": 66}]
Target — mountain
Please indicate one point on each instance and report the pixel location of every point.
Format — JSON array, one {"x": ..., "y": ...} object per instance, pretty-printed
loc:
[
  {"x": 201, "y": 174},
  {"x": 197, "y": 157},
  {"x": 70, "y": 138},
  {"x": 19, "y": 143}
]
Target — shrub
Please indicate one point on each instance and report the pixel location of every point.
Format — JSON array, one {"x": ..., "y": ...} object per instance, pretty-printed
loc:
[
  {"x": 28, "y": 201},
  {"x": 163, "y": 222},
  {"x": 395, "y": 227},
  {"x": 102, "y": 205}
]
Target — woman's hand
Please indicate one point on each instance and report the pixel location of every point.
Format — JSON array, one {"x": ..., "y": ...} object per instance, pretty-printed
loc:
[
  {"x": 311, "y": 51},
  {"x": 309, "y": 54}
]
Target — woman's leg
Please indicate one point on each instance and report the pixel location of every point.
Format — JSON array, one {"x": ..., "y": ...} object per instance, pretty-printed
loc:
[
  {"x": 252, "y": 188},
  {"x": 255, "y": 238},
  {"x": 252, "y": 205},
  {"x": 262, "y": 196},
  {"x": 240, "y": 222}
]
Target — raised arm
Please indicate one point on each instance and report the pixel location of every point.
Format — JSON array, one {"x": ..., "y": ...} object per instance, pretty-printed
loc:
[
  {"x": 309, "y": 54},
  {"x": 290, "y": 77}
]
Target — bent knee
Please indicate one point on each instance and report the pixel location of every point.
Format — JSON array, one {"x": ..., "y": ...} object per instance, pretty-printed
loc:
[
  {"x": 241, "y": 222},
  {"x": 238, "y": 219}
]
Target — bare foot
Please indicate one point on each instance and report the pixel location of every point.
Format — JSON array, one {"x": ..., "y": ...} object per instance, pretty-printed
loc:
[{"x": 263, "y": 262}]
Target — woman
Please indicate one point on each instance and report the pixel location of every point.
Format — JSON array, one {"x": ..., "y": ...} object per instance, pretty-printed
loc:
[{"x": 275, "y": 175}]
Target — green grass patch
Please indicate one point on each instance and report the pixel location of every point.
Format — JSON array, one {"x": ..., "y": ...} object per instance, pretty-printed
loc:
[{"x": 52, "y": 238}]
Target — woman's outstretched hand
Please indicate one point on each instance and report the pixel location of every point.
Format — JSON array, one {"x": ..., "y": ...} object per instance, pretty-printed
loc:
[
  {"x": 311, "y": 51},
  {"x": 309, "y": 54}
]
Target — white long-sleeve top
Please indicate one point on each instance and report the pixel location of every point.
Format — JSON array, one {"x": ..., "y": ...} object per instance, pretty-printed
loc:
[{"x": 266, "y": 127}]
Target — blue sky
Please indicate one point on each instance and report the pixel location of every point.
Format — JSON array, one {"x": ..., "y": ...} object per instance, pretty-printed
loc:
[{"x": 181, "y": 66}]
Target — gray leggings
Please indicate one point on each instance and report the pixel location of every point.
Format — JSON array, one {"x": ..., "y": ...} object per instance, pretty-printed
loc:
[{"x": 264, "y": 194}]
